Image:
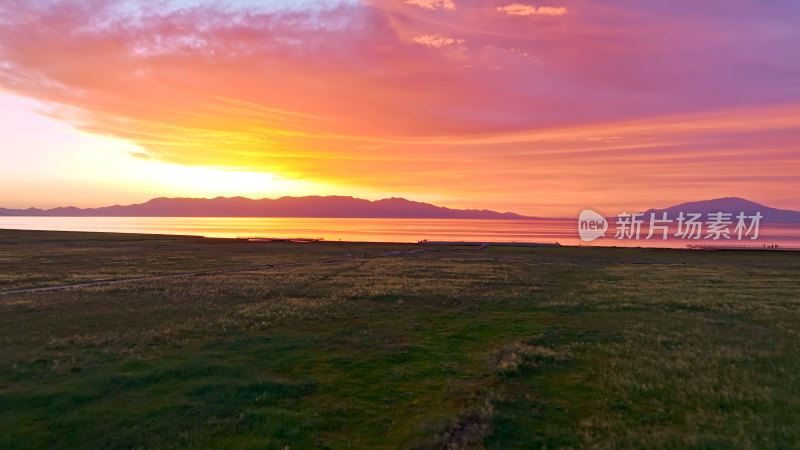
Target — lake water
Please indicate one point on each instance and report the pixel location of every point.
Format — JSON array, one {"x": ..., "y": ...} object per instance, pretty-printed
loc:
[{"x": 378, "y": 230}]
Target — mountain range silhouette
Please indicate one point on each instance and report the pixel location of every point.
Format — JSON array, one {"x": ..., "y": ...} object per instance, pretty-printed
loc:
[
  {"x": 344, "y": 207},
  {"x": 311, "y": 206}
]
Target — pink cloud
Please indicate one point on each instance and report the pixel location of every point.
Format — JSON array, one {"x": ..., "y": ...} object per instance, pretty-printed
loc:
[{"x": 356, "y": 92}]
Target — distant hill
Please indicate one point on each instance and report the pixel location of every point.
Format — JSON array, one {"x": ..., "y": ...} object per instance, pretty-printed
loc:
[
  {"x": 733, "y": 205},
  {"x": 312, "y": 206}
]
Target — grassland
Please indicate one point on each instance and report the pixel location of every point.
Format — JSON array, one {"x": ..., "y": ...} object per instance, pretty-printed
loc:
[{"x": 377, "y": 347}]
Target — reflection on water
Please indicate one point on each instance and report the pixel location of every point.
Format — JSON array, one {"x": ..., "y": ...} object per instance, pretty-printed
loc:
[{"x": 377, "y": 230}]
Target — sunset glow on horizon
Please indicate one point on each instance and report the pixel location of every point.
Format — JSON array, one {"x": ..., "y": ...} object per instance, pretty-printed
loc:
[{"x": 538, "y": 108}]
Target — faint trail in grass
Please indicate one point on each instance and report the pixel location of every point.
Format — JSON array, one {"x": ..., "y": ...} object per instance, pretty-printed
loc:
[{"x": 205, "y": 273}]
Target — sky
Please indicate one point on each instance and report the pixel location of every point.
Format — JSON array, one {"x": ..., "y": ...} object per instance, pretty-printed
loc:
[{"x": 541, "y": 108}]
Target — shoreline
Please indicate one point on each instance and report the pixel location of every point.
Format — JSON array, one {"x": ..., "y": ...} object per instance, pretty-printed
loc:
[{"x": 479, "y": 245}]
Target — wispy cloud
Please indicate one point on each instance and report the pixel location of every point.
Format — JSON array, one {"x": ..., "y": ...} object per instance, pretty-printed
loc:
[
  {"x": 433, "y": 4},
  {"x": 519, "y": 9},
  {"x": 435, "y": 40},
  {"x": 140, "y": 155}
]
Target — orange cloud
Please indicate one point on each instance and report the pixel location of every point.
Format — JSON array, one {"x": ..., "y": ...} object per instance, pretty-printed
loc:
[{"x": 519, "y": 9}]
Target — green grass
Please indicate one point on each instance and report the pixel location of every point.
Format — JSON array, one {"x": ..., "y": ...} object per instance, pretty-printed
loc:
[{"x": 458, "y": 348}]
